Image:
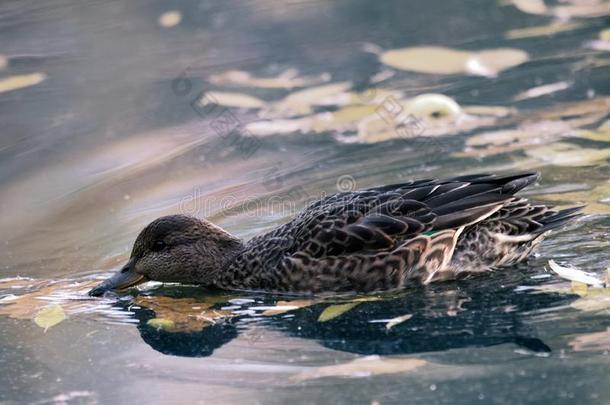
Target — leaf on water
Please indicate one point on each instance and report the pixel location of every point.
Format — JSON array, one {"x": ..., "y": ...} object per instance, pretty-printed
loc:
[
  {"x": 397, "y": 321},
  {"x": 604, "y": 35},
  {"x": 542, "y": 90},
  {"x": 601, "y": 134},
  {"x": 427, "y": 59},
  {"x": 363, "y": 367},
  {"x": 590, "y": 9},
  {"x": 170, "y": 19},
  {"x": 301, "y": 102},
  {"x": 531, "y": 6},
  {"x": 279, "y": 126},
  {"x": 50, "y": 316},
  {"x": 579, "y": 288},
  {"x": 162, "y": 324},
  {"x": 333, "y": 311},
  {"x": 573, "y": 274},
  {"x": 228, "y": 99},
  {"x": 18, "y": 82},
  {"x": 598, "y": 302},
  {"x": 286, "y": 80},
  {"x": 542, "y": 30},
  {"x": 491, "y": 62},
  {"x": 185, "y": 314},
  {"x": 432, "y": 106},
  {"x": 598, "y": 341},
  {"x": 595, "y": 106},
  {"x": 27, "y": 306},
  {"x": 287, "y": 306},
  {"x": 565, "y": 154},
  {"x": 441, "y": 60}
]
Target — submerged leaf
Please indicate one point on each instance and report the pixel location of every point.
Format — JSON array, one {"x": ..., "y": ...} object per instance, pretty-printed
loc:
[
  {"x": 170, "y": 19},
  {"x": 162, "y": 324},
  {"x": 363, "y": 367},
  {"x": 50, "y": 316},
  {"x": 333, "y": 311}
]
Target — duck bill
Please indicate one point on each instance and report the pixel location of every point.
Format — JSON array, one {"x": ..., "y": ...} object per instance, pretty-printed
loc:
[{"x": 121, "y": 280}]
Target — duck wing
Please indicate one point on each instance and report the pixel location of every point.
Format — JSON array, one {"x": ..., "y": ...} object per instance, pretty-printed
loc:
[
  {"x": 374, "y": 239},
  {"x": 381, "y": 218}
]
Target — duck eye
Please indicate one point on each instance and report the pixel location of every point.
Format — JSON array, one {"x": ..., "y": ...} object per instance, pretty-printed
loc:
[{"x": 158, "y": 246}]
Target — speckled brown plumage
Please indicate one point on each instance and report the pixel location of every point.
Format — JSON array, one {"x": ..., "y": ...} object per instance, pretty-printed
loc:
[{"x": 376, "y": 239}]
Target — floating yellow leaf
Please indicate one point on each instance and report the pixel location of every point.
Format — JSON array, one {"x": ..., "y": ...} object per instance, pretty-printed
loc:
[
  {"x": 333, "y": 311},
  {"x": 363, "y": 367},
  {"x": 49, "y": 316},
  {"x": 18, "y": 82},
  {"x": 160, "y": 323},
  {"x": 441, "y": 60},
  {"x": 170, "y": 19},
  {"x": 228, "y": 99},
  {"x": 604, "y": 35},
  {"x": 287, "y": 306}
]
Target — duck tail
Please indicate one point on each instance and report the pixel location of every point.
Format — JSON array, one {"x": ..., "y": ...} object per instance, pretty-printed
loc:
[{"x": 560, "y": 218}]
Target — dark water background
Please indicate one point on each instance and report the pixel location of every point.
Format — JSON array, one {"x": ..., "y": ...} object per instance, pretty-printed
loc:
[{"x": 110, "y": 140}]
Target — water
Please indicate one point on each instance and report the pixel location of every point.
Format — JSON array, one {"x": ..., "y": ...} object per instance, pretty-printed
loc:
[{"x": 110, "y": 140}]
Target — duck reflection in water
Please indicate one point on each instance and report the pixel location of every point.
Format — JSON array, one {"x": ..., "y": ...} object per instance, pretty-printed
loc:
[{"x": 473, "y": 313}]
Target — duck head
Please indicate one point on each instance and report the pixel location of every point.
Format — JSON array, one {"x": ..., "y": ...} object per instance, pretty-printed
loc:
[{"x": 175, "y": 248}]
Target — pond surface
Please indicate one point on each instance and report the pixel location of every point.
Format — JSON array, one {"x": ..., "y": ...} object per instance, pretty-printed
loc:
[{"x": 243, "y": 112}]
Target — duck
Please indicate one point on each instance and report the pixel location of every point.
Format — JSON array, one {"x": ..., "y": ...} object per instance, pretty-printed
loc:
[{"x": 376, "y": 239}]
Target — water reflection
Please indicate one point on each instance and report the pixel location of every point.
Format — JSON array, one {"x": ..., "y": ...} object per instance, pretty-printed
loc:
[{"x": 472, "y": 313}]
